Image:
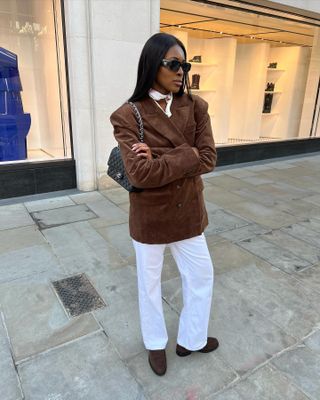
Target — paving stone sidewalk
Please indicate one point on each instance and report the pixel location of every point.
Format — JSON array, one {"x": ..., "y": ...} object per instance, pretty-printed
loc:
[{"x": 264, "y": 237}]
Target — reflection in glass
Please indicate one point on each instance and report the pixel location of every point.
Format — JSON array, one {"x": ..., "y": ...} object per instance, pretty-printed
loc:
[{"x": 32, "y": 30}]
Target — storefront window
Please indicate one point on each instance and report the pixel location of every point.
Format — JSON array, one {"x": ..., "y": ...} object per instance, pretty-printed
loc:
[
  {"x": 259, "y": 74},
  {"x": 34, "y": 123}
]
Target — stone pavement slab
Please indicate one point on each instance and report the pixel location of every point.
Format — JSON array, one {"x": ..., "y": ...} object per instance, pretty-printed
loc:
[
  {"x": 9, "y": 382},
  {"x": 80, "y": 248},
  {"x": 116, "y": 284},
  {"x": 94, "y": 371},
  {"x": 306, "y": 183},
  {"x": 265, "y": 384},
  {"x": 63, "y": 215},
  {"x": 108, "y": 211},
  {"x": 256, "y": 180},
  {"x": 26, "y": 261},
  {"x": 290, "y": 304},
  {"x": 118, "y": 236},
  {"x": 35, "y": 318},
  {"x": 14, "y": 216},
  {"x": 300, "y": 248},
  {"x": 275, "y": 255},
  {"x": 299, "y": 208},
  {"x": 302, "y": 367},
  {"x": 262, "y": 198},
  {"x": 245, "y": 232},
  {"x": 310, "y": 277},
  {"x": 261, "y": 214},
  {"x": 249, "y": 338},
  {"x": 239, "y": 172},
  {"x": 313, "y": 341},
  {"x": 221, "y": 221},
  {"x": 86, "y": 197},
  {"x": 315, "y": 199},
  {"x": 228, "y": 182},
  {"x": 312, "y": 223},
  {"x": 300, "y": 231},
  {"x": 19, "y": 238},
  {"x": 117, "y": 195},
  {"x": 292, "y": 191},
  {"x": 48, "y": 204},
  {"x": 220, "y": 197}
]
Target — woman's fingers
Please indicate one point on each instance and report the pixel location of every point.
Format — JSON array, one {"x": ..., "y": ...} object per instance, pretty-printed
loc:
[
  {"x": 145, "y": 155},
  {"x": 142, "y": 150},
  {"x": 140, "y": 147}
]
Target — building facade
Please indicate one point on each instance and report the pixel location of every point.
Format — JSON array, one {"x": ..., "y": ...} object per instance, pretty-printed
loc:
[{"x": 66, "y": 65}]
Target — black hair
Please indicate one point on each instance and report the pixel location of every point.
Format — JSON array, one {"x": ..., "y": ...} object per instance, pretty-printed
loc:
[{"x": 151, "y": 56}]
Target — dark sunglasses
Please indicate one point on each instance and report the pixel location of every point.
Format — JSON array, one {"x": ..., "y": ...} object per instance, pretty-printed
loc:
[{"x": 174, "y": 65}]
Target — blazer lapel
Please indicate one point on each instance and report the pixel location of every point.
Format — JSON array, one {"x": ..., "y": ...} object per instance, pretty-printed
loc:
[{"x": 170, "y": 128}]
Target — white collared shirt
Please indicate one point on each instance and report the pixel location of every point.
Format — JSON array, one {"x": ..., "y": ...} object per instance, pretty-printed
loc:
[{"x": 156, "y": 96}]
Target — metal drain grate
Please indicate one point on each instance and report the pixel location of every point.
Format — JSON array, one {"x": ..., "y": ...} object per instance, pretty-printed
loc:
[{"x": 78, "y": 295}]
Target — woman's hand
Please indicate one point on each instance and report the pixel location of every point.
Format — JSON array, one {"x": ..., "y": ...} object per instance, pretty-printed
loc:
[{"x": 142, "y": 150}]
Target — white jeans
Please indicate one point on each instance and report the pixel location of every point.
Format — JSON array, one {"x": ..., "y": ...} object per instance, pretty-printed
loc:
[{"x": 195, "y": 266}]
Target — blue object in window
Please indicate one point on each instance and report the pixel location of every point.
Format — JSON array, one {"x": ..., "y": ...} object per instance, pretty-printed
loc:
[{"x": 14, "y": 124}]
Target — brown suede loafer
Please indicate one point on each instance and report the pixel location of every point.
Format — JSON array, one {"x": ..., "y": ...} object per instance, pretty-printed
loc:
[
  {"x": 158, "y": 361},
  {"x": 212, "y": 344}
]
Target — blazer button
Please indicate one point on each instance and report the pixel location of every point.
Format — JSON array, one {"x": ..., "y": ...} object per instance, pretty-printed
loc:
[
  {"x": 179, "y": 205},
  {"x": 178, "y": 187}
]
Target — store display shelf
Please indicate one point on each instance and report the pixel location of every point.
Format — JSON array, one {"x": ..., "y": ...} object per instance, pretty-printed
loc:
[
  {"x": 276, "y": 69},
  {"x": 272, "y": 91},
  {"x": 203, "y": 64},
  {"x": 270, "y": 114}
]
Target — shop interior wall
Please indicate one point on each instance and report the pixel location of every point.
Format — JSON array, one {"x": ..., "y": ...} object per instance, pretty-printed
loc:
[{"x": 247, "y": 94}]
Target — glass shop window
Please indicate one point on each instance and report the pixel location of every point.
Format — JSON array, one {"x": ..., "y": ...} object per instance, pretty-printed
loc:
[
  {"x": 259, "y": 74},
  {"x": 34, "y": 123}
]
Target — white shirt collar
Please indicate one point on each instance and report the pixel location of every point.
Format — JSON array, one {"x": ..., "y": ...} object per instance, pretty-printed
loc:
[{"x": 156, "y": 96}]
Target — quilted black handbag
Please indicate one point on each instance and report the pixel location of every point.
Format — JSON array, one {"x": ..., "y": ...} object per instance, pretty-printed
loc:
[{"x": 116, "y": 168}]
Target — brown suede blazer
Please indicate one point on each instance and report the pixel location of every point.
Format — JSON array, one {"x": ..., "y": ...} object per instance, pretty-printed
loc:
[{"x": 171, "y": 206}]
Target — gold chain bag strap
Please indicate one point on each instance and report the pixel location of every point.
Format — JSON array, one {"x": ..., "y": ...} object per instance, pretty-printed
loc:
[{"x": 116, "y": 169}]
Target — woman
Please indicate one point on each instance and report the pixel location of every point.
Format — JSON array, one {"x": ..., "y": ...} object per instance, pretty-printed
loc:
[{"x": 170, "y": 210}]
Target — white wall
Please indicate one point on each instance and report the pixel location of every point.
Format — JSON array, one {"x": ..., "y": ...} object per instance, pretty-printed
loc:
[
  {"x": 104, "y": 41},
  {"x": 222, "y": 53},
  {"x": 248, "y": 90}
]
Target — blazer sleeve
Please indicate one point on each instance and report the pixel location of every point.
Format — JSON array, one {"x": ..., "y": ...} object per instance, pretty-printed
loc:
[
  {"x": 143, "y": 173},
  {"x": 204, "y": 141}
]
